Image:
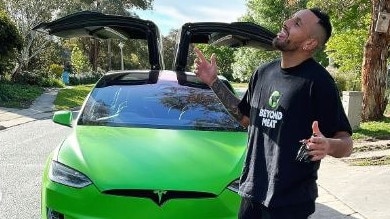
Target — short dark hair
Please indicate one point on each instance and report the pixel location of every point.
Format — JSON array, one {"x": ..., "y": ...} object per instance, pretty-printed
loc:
[{"x": 324, "y": 21}]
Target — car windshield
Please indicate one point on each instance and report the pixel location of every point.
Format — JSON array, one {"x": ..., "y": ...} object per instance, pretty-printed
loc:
[{"x": 157, "y": 106}]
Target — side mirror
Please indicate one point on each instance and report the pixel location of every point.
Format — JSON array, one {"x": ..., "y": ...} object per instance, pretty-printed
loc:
[{"x": 64, "y": 117}]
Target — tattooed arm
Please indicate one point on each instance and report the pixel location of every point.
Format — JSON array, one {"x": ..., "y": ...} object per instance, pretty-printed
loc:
[
  {"x": 230, "y": 101},
  {"x": 207, "y": 72}
]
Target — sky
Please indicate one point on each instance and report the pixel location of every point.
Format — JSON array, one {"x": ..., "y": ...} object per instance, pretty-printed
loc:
[{"x": 172, "y": 14}]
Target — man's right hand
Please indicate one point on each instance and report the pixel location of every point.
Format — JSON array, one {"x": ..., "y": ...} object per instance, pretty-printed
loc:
[{"x": 205, "y": 70}]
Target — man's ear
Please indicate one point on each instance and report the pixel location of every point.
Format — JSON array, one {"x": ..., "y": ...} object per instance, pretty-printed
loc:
[{"x": 310, "y": 44}]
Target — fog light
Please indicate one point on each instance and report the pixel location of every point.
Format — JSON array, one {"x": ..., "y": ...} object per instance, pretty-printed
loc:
[{"x": 51, "y": 214}]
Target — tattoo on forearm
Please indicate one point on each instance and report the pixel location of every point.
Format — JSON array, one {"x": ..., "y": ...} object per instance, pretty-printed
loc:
[{"x": 228, "y": 99}]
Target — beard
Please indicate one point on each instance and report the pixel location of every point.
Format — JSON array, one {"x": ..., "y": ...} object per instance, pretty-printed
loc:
[
  {"x": 285, "y": 45},
  {"x": 280, "y": 45}
]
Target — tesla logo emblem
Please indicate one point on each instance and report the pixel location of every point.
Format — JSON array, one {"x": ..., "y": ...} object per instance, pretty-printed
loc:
[{"x": 160, "y": 194}]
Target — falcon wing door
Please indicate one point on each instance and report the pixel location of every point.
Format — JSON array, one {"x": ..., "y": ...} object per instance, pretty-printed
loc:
[
  {"x": 103, "y": 26},
  {"x": 236, "y": 34}
]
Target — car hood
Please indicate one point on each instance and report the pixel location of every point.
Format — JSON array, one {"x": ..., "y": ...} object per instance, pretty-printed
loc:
[{"x": 143, "y": 158}]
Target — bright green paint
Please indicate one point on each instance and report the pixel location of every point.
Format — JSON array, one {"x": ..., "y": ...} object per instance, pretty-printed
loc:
[
  {"x": 143, "y": 158},
  {"x": 147, "y": 158},
  {"x": 63, "y": 117}
]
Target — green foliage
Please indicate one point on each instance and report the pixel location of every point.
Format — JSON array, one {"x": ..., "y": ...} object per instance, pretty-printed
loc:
[
  {"x": 351, "y": 22},
  {"x": 169, "y": 43},
  {"x": 52, "y": 82},
  {"x": 79, "y": 61},
  {"x": 84, "y": 78},
  {"x": 18, "y": 95},
  {"x": 10, "y": 43},
  {"x": 224, "y": 57},
  {"x": 10, "y": 38},
  {"x": 346, "y": 15},
  {"x": 269, "y": 14},
  {"x": 346, "y": 80},
  {"x": 346, "y": 51},
  {"x": 26, "y": 14},
  {"x": 37, "y": 78},
  {"x": 246, "y": 60},
  {"x": 272, "y": 13},
  {"x": 119, "y": 7},
  {"x": 136, "y": 55},
  {"x": 53, "y": 53},
  {"x": 56, "y": 70},
  {"x": 29, "y": 77}
]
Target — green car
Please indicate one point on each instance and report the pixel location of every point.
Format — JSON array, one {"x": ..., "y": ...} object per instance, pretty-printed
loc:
[{"x": 150, "y": 143}]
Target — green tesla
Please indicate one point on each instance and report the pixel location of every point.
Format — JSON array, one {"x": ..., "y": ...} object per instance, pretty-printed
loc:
[{"x": 151, "y": 143}]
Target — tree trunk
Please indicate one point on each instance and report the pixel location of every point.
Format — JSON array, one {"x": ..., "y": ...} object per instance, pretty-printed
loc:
[
  {"x": 374, "y": 67},
  {"x": 94, "y": 53},
  {"x": 109, "y": 56}
]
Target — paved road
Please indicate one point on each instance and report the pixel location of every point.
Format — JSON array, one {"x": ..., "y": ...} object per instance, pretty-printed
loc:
[{"x": 23, "y": 152}]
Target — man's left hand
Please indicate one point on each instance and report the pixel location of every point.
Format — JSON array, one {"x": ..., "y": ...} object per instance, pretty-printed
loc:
[{"x": 318, "y": 144}]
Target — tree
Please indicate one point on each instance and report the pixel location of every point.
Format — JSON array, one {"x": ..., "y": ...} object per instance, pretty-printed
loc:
[
  {"x": 357, "y": 20},
  {"x": 169, "y": 43},
  {"x": 345, "y": 49},
  {"x": 374, "y": 69},
  {"x": 272, "y": 13},
  {"x": 118, "y": 7},
  {"x": 350, "y": 21},
  {"x": 246, "y": 60},
  {"x": 269, "y": 14},
  {"x": 10, "y": 42},
  {"x": 224, "y": 57},
  {"x": 27, "y": 14},
  {"x": 79, "y": 61}
]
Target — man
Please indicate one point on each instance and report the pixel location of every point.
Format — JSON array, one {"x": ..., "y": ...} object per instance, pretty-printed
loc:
[{"x": 287, "y": 100}]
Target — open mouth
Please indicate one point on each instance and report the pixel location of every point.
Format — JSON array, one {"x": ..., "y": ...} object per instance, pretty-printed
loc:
[{"x": 283, "y": 34}]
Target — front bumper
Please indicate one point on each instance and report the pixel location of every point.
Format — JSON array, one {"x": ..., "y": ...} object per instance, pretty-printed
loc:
[{"x": 90, "y": 203}]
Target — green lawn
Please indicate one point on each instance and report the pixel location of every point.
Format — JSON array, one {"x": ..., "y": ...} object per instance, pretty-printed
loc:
[{"x": 71, "y": 97}]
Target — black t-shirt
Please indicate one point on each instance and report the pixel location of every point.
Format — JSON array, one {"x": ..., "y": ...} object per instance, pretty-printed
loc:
[{"x": 282, "y": 105}]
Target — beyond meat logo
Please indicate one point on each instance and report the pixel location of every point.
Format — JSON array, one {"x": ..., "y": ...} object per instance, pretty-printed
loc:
[
  {"x": 271, "y": 117},
  {"x": 273, "y": 101}
]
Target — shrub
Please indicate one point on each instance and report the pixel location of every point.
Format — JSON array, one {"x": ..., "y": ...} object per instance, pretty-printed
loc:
[
  {"x": 345, "y": 80},
  {"x": 56, "y": 70},
  {"x": 18, "y": 95},
  {"x": 34, "y": 77},
  {"x": 84, "y": 78},
  {"x": 52, "y": 82},
  {"x": 80, "y": 62},
  {"x": 10, "y": 42}
]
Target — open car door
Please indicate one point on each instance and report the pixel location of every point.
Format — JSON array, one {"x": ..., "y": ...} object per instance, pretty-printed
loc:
[
  {"x": 236, "y": 34},
  {"x": 103, "y": 26}
]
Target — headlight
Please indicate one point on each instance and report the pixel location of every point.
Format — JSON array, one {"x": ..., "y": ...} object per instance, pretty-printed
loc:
[
  {"x": 67, "y": 176},
  {"x": 234, "y": 186}
]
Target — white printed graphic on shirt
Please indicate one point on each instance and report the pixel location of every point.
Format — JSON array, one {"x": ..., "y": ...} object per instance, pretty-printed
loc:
[{"x": 271, "y": 117}]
